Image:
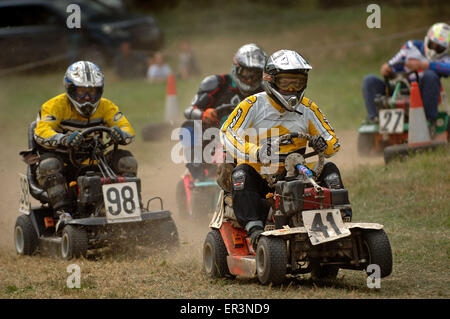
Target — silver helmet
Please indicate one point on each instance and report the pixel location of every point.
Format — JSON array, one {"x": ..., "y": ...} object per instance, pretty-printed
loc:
[
  {"x": 285, "y": 78},
  {"x": 84, "y": 74},
  {"x": 247, "y": 68}
]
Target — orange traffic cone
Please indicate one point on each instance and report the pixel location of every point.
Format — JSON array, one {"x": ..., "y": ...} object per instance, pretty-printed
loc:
[
  {"x": 171, "y": 108},
  {"x": 418, "y": 133}
]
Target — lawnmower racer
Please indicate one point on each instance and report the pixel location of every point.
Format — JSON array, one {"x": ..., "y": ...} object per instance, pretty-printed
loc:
[
  {"x": 247, "y": 134},
  {"x": 59, "y": 123},
  {"x": 223, "y": 89},
  {"x": 431, "y": 61}
]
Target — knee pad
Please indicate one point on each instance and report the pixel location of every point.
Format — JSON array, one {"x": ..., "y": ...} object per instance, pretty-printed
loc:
[
  {"x": 51, "y": 179},
  {"x": 238, "y": 178},
  {"x": 48, "y": 170},
  {"x": 127, "y": 166},
  {"x": 333, "y": 181}
]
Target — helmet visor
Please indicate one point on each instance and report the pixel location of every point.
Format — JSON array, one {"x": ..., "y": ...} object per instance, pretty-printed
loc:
[
  {"x": 288, "y": 82},
  {"x": 436, "y": 47},
  {"x": 249, "y": 76},
  {"x": 86, "y": 94}
]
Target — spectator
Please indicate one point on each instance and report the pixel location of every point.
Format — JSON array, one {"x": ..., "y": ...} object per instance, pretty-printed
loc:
[
  {"x": 129, "y": 64},
  {"x": 187, "y": 62},
  {"x": 159, "y": 70}
]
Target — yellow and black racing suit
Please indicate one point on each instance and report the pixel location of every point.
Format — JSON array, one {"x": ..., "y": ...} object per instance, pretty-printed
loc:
[
  {"x": 256, "y": 119},
  {"x": 56, "y": 118}
]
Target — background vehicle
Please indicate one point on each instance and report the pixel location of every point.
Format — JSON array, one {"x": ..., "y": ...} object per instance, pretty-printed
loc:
[
  {"x": 108, "y": 209},
  {"x": 393, "y": 125},
  {"x": 307, "y": 231},
  {"x": 36, "y": 32},
  {"x": 196, "y": 199}
]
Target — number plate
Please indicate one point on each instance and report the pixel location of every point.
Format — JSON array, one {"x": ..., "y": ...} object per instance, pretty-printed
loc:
[
  {"x": 24, "y": 201},
  {"x": 391, "y": 121},
  {"x": 324, "y": 225},
  {"x": 121, "y": 201}
]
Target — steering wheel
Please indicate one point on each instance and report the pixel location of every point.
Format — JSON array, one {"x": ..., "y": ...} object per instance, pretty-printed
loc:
[
  {"x": 294, "y": 159},
  {"x": 88, "y": 148}
]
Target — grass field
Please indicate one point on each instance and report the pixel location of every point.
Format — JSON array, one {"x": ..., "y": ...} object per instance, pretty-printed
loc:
[{"x": 410, "y": 198}]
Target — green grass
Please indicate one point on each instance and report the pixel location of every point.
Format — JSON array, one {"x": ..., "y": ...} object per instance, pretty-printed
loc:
[{"x": 409, "y": 198}]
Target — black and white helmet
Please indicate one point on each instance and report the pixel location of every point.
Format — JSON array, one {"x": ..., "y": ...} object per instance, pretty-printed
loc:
[
  {"x": 285, "y": 78},
  {"x": 247, "y": 69},
  {"x": 84, "y": 74}
]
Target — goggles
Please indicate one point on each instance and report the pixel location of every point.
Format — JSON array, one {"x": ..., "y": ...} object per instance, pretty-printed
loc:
[
  {"x": 82, "y": 92},
  {"x": 436, "y": 47},
  {"x": 287, "y": 82},
  {"x": 249, "y": 75}
]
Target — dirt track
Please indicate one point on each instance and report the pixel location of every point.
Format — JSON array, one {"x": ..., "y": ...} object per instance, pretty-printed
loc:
[{"x": 159, "y": 178}]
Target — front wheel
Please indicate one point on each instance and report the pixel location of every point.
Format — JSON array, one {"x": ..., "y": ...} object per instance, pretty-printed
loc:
[
  {"x": 215, "y": 255},
  {"x": 271, "y": 260},
  {"x": 74, "y": 242},
  {"x": 379, "y": 250},
  {"x": 25, "y": 236}
]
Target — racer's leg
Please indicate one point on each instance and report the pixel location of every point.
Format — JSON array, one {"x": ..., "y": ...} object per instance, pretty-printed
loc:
[
  {"x": 50, "y": 176},
  {"x": 429, "y": 86},
  {"x": 122, "y": 162},
  {"x": 372, "y": 85},
  {"x": 249, "y": 204},
  {"x": 192, "y": 149},
  {"x": 331, "y": 178}
]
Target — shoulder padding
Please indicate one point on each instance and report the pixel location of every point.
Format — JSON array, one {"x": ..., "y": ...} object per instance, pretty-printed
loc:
[{"x": 210, "y": 83}]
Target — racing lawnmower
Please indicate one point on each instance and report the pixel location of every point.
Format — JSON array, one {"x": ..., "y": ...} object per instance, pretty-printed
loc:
[
  {"x": 196, "y": 198},
  {"x": 107, "y": 208},
  {"x": 308, "y": 230},
  {"x": 394, "y": 113}
]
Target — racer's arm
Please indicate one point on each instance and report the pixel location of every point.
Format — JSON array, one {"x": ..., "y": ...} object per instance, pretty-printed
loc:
[
  {"x": 113, "y": 117},
  {"x": 410, "y": 50},
  {"x": 442, "y": 66},
  {"x": 205, "y": 97},
  {"x": 49, "y": 117},
  {"x": 233, "y": 131},
  {"x": 318, "y": 125}
]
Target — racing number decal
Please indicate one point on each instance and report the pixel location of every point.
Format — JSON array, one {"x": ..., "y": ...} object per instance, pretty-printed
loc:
[
  {"x": 324, "y": 225},
  {"x": 318, "y": 225},
  {"x": 121, "y": 200},
  {"x": 391, "y": 121},
  {"x": 124, "y": 200},
  {"x": 24, "y": 201}
]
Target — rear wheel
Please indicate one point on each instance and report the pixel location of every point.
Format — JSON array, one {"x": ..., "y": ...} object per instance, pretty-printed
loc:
[
  {"x": 215, "y": 255},
  {"x": 379, "y": 250},
  {"x": 271, "y": 260},
  {"x": 25, "y": 236},
  {"x": 74, "y": 242}
]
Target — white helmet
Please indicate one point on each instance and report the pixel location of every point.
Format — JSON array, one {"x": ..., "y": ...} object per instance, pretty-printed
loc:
[
  {"x": 290, "y": 66},
  {"x": 247, "y": 68},
  {"x": 84, "y": 74},
  {"x": 437, "y": 41}
]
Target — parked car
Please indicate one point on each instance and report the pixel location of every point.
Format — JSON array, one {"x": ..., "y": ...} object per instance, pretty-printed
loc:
[{"x": 35, "y": 32}]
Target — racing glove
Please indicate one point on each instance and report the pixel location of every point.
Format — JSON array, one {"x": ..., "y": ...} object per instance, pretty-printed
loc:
[
  {"x": 209, "y": 118},
  {"x": 265, "y": 152},
  {"x": 318, "y": 143},
  {"x": 73, "y": 139},
  {"x": 120, "y": 137}
]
